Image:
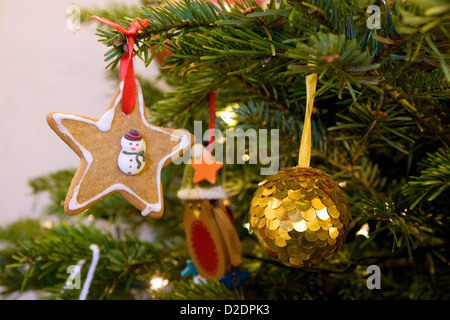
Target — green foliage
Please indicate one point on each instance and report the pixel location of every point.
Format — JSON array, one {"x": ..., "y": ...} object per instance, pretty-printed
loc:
[
  {"x": 422, "y": 17},
  {"x": 433, "y": 180},
  {"x": 56, "y": 185},
  {"x": 375, "y": 128},
  {"x": 338, "y": 61},
  {"x": 187, "y": 290},
  {"x": 390, "y": 218},
  {"x": 43, "y": 256}
]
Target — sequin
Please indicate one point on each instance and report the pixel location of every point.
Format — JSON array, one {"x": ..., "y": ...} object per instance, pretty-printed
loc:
[
  {"x": 288, "y": 204},
  {"x": 333, "y": 212},
  {"x": 263, "y": 202},
  {"x": 322, "y": 214},
  {"x": 317, "y": 204},
  {"x": 268, "y": 192},
  {"x": 303, "y": 205},
  {"x": 280, "y": 242},
  {"x": 274, "y": 203},
  {"x": 294, "y": 194},
  {"x": 280, "y": 194},
  {"x": 260, "y": 212},
  {"x": 299, "y": 226},
  {"x": 313, "y": 225},
  {"x": 262, "y": 183},
  {"x": 310, "y": 235},
  {"x": 309, "y": 214},
  {"x": 333, "y": 232},
  {"x": 269, "y": 213},
  {"x": 273, "y": 224},
  {"x": 261, "y": 222},
  {"x": 286, "y": 225},
  {"x": 280, "y": 186},
  {"x": 295, "y": 215}
]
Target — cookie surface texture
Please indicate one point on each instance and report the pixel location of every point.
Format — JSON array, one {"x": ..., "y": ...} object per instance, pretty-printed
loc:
[{"x": 107, "y": 166}]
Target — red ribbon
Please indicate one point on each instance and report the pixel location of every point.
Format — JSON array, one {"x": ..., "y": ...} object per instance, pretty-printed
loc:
[
  {"x": 212, "y": 106},
  {"x": 126, "y": 70}
]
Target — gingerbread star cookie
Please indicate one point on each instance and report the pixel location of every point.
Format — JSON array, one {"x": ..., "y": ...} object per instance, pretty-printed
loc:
[{"x": 119, "y": 153}]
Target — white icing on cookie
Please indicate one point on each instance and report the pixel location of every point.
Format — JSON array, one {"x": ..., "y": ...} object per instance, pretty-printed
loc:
[{"x": 104, "y": 124}]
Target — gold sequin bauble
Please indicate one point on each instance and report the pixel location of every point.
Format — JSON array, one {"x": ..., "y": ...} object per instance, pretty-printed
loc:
[{"x": 300, "y": 216}]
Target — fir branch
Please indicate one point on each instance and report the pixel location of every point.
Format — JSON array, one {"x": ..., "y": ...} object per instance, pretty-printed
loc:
[
  {"x": 186, "y": 289},
  {"x": 386, "y": 211},
  {"x": 168, "y": 21},
  {"x": 332, "y": 14},
  {"x": 420, "y": 251},
  {"x": 46, "y": 256},
  {"x": 433, "y": 180},
  {"x": 260, "y": 90},
  {"x": 336, "y": 60},
  {"x": 370, "y": 128},
  {"x": 56, "y": 185},
  {"x": 424, "y": 19}
]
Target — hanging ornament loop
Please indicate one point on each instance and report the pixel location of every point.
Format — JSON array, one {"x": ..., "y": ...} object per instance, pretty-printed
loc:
[
  {"x": 212, "y": 114},
  {"x": 304, "y": 155},
  {"x": 126, "y": 71}
]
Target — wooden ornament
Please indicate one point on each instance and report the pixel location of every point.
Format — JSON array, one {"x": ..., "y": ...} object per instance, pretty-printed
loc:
[{"x": 211, "y": 238}]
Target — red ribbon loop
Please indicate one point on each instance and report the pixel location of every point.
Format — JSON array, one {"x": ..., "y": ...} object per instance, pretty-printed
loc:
[
  {"x": 126, "y": 71},
  {"x": 212, "y": 106}
]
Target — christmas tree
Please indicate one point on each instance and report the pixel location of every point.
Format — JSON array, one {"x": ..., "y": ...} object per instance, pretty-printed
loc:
[{"x": 379, "y": 128}]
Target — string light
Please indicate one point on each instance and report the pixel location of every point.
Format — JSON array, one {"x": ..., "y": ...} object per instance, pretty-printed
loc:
[
  {"x": 247, "y": 226},
  {"x": 228, "y": 115},
  {"x": 157, "y": 283},
  {"x": 364, "y": 231},
  {"x": 47, "y": 224}
]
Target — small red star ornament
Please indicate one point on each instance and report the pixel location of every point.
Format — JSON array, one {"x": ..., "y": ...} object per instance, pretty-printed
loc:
[{"x": 205, "y": 168}]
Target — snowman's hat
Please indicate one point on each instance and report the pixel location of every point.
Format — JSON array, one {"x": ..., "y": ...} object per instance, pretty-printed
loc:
[{"x": 133, "y": 135}]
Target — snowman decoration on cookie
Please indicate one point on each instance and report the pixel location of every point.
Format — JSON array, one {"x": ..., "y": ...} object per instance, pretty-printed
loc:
[{"x": 131, "y": 158}]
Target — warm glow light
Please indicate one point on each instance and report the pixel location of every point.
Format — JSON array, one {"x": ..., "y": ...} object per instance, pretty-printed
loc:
[
  {"x": 221, "y": 140},
  {"x": 247, "y": 226},
  {"x": 228, "y": 115},
  {"x": 364, "y": 231},
  {"x": 157, "y": 283},
  {"x": 47, "y": 224},
  {"x": 245, "y": 157}
]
